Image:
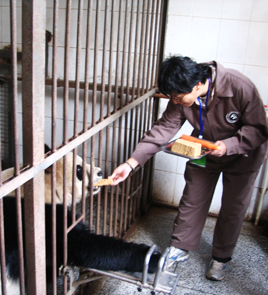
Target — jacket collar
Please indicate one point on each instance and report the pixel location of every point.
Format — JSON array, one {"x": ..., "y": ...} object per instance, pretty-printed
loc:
[{"x": 222, "y": 86}]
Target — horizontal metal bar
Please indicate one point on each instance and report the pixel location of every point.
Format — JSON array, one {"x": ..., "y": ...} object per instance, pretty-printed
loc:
[
  {"x": 32, "y": 172},
  {"x": 72, "y": 84},
  {"x": 160, "y": 95}
]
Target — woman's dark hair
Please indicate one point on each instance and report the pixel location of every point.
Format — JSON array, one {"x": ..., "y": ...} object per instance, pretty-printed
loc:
[{"x": 180, "y": 74}]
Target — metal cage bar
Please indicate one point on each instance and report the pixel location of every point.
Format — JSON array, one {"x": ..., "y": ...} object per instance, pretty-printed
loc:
[
  {"x": 100, "y": 109},
  {"x": 33, "y": 69}
]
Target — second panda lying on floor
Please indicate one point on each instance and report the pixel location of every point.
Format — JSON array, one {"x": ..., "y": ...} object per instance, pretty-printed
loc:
[{"x": 85, "y": 249}]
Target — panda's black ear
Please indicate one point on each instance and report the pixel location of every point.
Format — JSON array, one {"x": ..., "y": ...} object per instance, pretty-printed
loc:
[
  {"x": 47, "y": 148},
  {"x": 48, "y": 170}
]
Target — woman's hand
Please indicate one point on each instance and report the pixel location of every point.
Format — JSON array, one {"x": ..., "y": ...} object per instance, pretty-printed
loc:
[
  {"x": 121, "y": 172},
  {"x": 221, "y": 151}
]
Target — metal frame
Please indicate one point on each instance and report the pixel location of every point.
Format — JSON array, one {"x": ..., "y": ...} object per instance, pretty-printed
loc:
[
  {"x": 162, "y": 281},
  {"x": 132, "y": 39}
]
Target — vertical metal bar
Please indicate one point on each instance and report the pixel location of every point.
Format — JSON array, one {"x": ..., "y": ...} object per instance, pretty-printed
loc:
[
  {"x": 136, "y": 183},
  {"x": 103, "y": 72},
  {"x": 94, "y": 103},
  {"x": 78, "y": 59},
  {"x": 137, "y": 40},
  {"x": 144, "y": 69},
  {"x": 65, "y": 225},
  {"x": 120, "y": 145},
  {"x": 117, "y": 55},
  {"x": 141, "y": 48},
  {"x": 130, "y": 203},
  {"x": 33, "y": 75},
  {"x": 2, "y": 245},
  {"x": 155, "y": 42},
  {"x": 110, "y": 59},
  {"x": 53, "y": 141},
  {"x": 116, "y": 144},
  {"x": 74, "y": 186},
  {"x": 126, "y": 211},
  {"x": 128, "y": 29},
  {"x": 66, "y": 69},
  {"x": 115, "y": 131},
  {"x": 95, "y": 64},
  {"x": 144, "y": 73},
  {"x": 2, "y": 242},
  {"x": 86, "y": 90},
  {"x": 162, "y": 33},
  {"x": 139, "y": 109},
  {"x": 16, "y": 139},
  {"x": 124, "y": 49},
  {"x": 2, "y": 251},
  {"x": 109, "y": 112},
  {"x": 130, "y": 40},
  {"x": 76, "y": 99},
  {"x": 125, "y": 30},
  {"x": 85, "y": 175},
  {"x": 102, "y": 112},
  {"x": 149, "y": 71},
  {"x": 14, "y": 74},
  {"x": 129, "y": 115},
  {"x": 140, "y": 74},
  {"x": 142, "y": 109},
  {"x": 53, "y": 229},
  {"x": 54, "y": 72},
  {"x": 132, "y": 139},
  {"x": 65, "y": 131},
  {"x": 20, "y": 240}
]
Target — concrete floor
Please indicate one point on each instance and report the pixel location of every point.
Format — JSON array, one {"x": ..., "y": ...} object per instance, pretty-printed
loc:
[{"x": 247, "y": 273}]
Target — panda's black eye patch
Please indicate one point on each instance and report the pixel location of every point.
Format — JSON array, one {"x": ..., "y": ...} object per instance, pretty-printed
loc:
[{"x": 79, "y": 172}]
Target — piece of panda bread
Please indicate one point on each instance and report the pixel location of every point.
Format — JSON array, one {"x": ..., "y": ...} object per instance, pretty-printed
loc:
[
  {"x": 187, "y": 148},
  {"x": 103, "y": 182}
]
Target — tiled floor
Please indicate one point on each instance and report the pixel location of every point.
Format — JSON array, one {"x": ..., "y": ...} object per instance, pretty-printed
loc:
[{"x": 247, "y": 273}]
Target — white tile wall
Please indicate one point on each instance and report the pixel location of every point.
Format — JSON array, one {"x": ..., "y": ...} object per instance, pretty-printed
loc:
[
  {"x": 5, "y": 24},
  {"x": 232, "y": 46},
  {"x": 259, "y": 11},
  {"x": 260, "y": 77},
  {"x": 208, "y": 8},
  {"x": 235, "y": 33},
  {"x": 237, "y": 10},
  {"x": 257, "y": 45},
  {"x": 204, "y": 46}
]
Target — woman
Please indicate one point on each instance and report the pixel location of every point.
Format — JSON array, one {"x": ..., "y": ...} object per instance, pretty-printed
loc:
[{"x": 223, "y": 106}]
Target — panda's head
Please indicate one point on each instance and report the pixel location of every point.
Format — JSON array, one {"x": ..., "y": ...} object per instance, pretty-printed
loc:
[{"x": 67, "y": 179}]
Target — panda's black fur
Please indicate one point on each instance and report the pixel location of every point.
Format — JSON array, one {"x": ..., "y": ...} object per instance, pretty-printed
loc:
[{"x": 85, "y": 248}]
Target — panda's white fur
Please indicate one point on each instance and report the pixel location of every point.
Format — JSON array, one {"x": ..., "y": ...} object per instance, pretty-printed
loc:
[
  {"x": 97, "y": 175},
  {"x": 12, "y": 286}
]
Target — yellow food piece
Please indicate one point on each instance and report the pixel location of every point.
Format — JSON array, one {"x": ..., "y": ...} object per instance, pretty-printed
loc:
[
  {"x": 103, "y": 182},
  {"x": 187, "y": 148}
]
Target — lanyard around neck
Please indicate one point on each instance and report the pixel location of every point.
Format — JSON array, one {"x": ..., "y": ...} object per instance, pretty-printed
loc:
[{"x": 201, "y": 117}]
